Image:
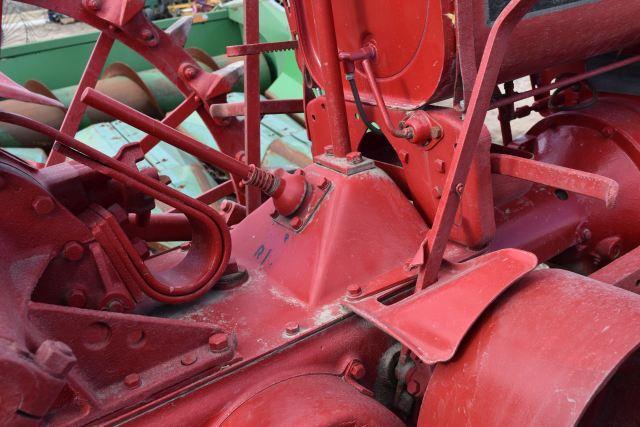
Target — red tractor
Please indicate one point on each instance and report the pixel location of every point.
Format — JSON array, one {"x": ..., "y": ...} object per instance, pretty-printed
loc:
[{"x": 417, "y": 273}]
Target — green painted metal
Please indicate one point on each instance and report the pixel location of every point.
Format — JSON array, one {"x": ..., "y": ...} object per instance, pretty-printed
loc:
[
  {"x": 66, "y": 57},
  {"x": 274, "y": 27}
]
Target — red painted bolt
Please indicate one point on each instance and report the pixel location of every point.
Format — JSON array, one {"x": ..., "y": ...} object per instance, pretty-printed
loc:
[
  {"x": 189, "y": 359},
  {"x": 459, "y": 188},
  {"x": 586, "y": 234},
  {"x": 413, "y": 388},
  {"x": 354, "y": 291},
  {"x": 77, "y": 298},
  {"x": 328, "y": 150},
  {"x": 292, "y": 328},
  {"x": 73, "y": 251},
  {"x": 43, "y": 205},
  {"x": 218, "y": 342},
  {"x": 190, "y": 72},
  {"x": 354, "y": 157},
  {"x": 357, "y": 370},
  {"x": 295, "y": 222},
  {"x": 132, "y": 381},
  {"x": 56, "y": 357}
]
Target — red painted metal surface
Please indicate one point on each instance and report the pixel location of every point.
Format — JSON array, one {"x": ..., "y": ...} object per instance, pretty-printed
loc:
[
  {"x": 577, "y": 333},
  {"x": 300, "y": 305},
  {"x": 434, "y": 323}
]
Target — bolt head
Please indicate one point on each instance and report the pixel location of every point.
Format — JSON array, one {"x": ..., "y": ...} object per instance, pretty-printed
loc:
[
  {"x": 218, "y": 342},
  {"x": 354, "y": 291},
  {"x": 459, "y": 188},
  {"x": 295, "y": 222},
  {"x": 413, "y": 388},
  {"x": 357, "y": 370},
  {"x": 73, "y": 251},
  {"x": 354, "y": 157},
  {"x": 77, "y": 298},
  {"x": 43, "y": 205},
  {"x": 292, "y": 328},
  {"x": 56, "y": 357},
  {"x": 586, "y": 234},
  {"x": 132, "y": 381},
  {"x": 190, "y": 72}
]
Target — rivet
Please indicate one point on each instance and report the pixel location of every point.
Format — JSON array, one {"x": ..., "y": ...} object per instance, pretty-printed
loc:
[
  {"x": 73, "y": 251},
  {"x": 292, "y": 328},
  {"x": 189, "y": 359},
  {"x": 132, "y": 381},
  {"x": 77, "y": 298},
  {"x": 357, "y": 370},
  {"x": 354, "y": 291}
]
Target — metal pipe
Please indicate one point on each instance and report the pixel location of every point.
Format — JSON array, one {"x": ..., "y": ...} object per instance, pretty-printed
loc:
[
  {"x": 332, "y": 77},
  {"x": 395, "y": 131},
  {"x": 564, "y": 82}
]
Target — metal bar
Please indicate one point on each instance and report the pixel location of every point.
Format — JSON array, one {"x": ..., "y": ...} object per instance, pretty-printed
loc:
[
  {"x": 272, "y": 106},
  {"x": 332, "y": 77},
  {"x": 252, "y": 98},
  {"x": 164, "y": 132},
  {"x": 90, "y": 77},
  {"x": 395, "y": 131},
  {"x": 432, "y": 249},
  {"x": 173, "y": 119},
  {"x": 575, "y": 181},
  {"x": 565, "y": 82},
  {"x": 258, "y": 48}
]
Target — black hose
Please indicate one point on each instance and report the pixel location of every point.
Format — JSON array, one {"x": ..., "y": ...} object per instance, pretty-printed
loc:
[{"x": 356, "y": 98}]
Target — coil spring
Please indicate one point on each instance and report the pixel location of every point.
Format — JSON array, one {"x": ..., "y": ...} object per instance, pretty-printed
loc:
[{"x": 265, "y": 181}]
